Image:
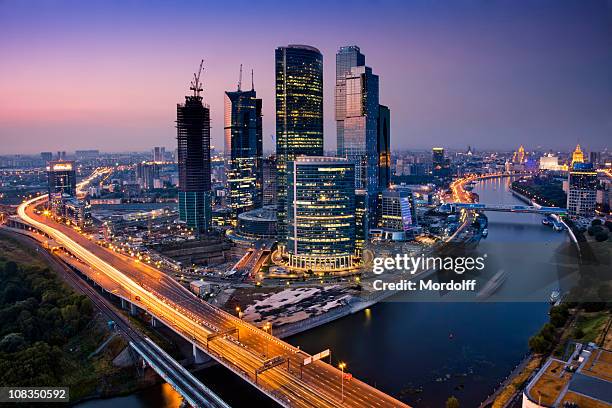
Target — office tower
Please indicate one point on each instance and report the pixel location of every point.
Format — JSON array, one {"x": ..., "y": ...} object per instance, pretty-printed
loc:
[
  {"x": 299, "y": 113},
  {"x": 269, "y": 180},
  {"x": 159, "y": 154},
  {"x": 346, "y": 58},
  {"x": 383, "y": 147},
  {"x": 147, "y": 174},
  {"x": 320, "y": 214},
  {"x": 61, "y": 155},
  {"x": 582, "y": 190},
  {"x": 361, "y": 221},
  {"x": 440, "y": 164},
  {"x": 243, "y": 150},
  {"x": 61, "y": 176},
  {"x": 361, "y": 130},
  {"x": 398, "y": 213},
  {"x": 46, "y": 156},
  {"x": 193, "y": 136},
  {"x": 577, "y": 156}
]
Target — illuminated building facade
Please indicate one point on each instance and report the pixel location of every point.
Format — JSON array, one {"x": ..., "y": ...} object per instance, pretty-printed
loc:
[
  {"x": 383, "y": 147},
  {"x": 61, "y": 176},
  {"x": 346, "y": 58},
  {"x": 519, "y": 156},
  {"x": 398, "y": 212},
  {"x": 299, "y": 114},
  {"x": 193, "y": 136},
  {"x": 577, "y": 156},
  {"x": 147, "y": 174},
  {"x": 320, "y": 214},
  {"x": 582, "y": 190},
  {"x": 361, "y": 221},
  {"x": 159, "y": 154},
  {"x": 269, "y": 180},
  {"x": 243, "y": 151}
]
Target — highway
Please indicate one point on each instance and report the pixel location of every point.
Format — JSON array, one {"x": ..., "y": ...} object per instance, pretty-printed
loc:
[{"x": 319, "y": 384}]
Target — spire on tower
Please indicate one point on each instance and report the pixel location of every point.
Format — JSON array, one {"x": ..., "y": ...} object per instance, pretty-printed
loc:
[
  {"x": 240, "y": 79},
  {"x": 252, "y": 81}
]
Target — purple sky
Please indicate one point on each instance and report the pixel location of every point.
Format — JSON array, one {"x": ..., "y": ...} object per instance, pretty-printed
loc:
[{"x": 491, "y": 74}]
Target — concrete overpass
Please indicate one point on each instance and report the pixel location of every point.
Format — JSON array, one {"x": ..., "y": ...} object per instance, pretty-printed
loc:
[{"x": 245, "y": 350}]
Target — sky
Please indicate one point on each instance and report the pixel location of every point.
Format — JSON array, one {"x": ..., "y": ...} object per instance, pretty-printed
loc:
[{"x": 491, "y": 74}]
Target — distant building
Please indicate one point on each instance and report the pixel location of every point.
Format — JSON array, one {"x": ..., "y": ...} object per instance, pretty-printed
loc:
[
  {"x": 577, "y": 156},
  {"x": 582, "y": 190},
  {"x": 362, "y": 221},
  {"x": 243, "y": 150},
  {"x": 61, "y": 155},
  {"x": 320, "y": 214},
  {"x": 269, "y": 180},
  {"x": 519, "y": 156},
  {"x": 299, "y": 113},
  {"x": 147, "y": 174},
  {"x": 595, "y": 158},
  {"x": 61, "y": 176},
  {"x": 159, "y": 154},
  {"x": 46, "y": 156},
  {"x": 440, "y": 164},
  {"x": 76, "y": 211},
  {"x": 550, "y": 162},
  {"x": 193, "y": 136},
  {"x": 86, "y": 154}
]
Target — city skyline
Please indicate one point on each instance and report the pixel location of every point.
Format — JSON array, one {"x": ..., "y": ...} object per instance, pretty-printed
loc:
[{"x": 453, "y": 75}]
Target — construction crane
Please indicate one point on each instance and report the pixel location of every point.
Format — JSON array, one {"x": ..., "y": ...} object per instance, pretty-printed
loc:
[
  {"x": 240, "y": 79},
  {"x": 196, "y": 85}
]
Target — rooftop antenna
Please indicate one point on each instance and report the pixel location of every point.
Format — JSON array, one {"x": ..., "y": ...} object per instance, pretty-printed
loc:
[
  {"x": 252, "y": 81},
  {"x": 240, "y": 79},
  {"x": 196, "y": 85}
]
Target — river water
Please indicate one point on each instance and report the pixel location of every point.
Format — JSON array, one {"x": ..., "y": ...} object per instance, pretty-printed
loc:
[{"x": 424, "y": 352}]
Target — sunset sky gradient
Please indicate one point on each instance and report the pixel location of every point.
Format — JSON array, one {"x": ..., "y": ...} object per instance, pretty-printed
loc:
[{"x": 492, "y": 74}]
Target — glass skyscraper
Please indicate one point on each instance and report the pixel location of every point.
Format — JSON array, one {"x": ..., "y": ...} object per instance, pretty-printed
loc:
[
  {"x": 193, "y": 136},
  {"x": 384, "y": 147},
  {"x": 299, "y": 113},
  {"x": 320, "y": 214},
  {"x": 244, "y": 151},
  {"x": 346, "y": 58}
]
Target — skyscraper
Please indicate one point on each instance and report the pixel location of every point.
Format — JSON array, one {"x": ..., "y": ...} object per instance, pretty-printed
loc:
[
  {"x": 299, "y": 113},
  {"x": 320, "y": 214},
  {"x": 383, "y": 147},
  {"x": 269, "y": 180},
  {"x": 361, "y": 130},
  {"x": 193, "y": 136},
  {"x": 582, "y": 194},
  {"x": 61, "y": 176},
  {"x": 159, "y": 154},
  {"x": 243, "y": 150},
  {"x": 346, "y": 58}
]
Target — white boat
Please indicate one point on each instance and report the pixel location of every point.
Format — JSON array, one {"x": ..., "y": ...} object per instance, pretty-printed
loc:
[{"x": 492, "y": 285}]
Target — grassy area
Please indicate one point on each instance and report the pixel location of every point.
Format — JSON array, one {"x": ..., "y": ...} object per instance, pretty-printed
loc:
[
  {"x": 591, "y": 326},
  {"x": 517, "y": 383}
]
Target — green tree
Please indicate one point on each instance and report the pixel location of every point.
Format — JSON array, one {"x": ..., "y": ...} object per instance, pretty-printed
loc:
[{"x": 538, "y": 344}]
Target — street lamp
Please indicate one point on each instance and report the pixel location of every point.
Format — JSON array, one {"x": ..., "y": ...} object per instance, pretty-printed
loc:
[{"x": 342, "y": 366}]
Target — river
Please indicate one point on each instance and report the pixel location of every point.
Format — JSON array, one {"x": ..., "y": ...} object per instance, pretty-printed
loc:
[{"x": 424, "y": 352}]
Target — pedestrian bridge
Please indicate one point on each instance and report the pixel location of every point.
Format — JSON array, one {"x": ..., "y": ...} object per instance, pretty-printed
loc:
[{"x": 510, "y": 208}]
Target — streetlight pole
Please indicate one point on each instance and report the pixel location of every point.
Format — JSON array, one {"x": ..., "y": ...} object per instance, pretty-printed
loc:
[{"x": 341, "y": 366}]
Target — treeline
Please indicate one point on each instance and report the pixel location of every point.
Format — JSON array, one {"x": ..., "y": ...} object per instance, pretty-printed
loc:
[
  {"x": 545, "y": 190},
  {"x": 38, "y": 316}
]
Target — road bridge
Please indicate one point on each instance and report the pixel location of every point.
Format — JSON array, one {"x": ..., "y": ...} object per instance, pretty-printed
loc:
[{"x": 510, "y": 208}]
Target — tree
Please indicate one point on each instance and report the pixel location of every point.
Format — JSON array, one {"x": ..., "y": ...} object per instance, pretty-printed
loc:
[
  {"x": 596, "y": 221},
  {"x": 601, "y": 237},
  {"x": 538, "y": 344},
  {"x": 452, "y": 402}
]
